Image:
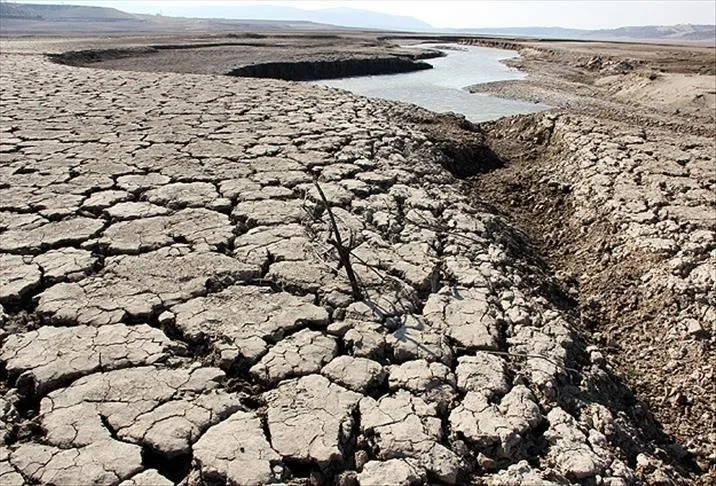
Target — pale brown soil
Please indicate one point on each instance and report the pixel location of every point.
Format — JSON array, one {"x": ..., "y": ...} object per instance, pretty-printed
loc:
[
  {"x": 176, "y": 210},
  {"x": 642, "y": 84},
  {"x": 638, "y": 319}
]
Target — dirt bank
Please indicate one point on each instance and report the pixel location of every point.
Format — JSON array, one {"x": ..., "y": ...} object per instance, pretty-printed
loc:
[
  {"x": 287, "y": 57},
  {"x": 342, "y": 68},
  {"x": 617, "y": 187},
  {"x": 671, "y": 87},
  {"x": 625, "y": 217}
]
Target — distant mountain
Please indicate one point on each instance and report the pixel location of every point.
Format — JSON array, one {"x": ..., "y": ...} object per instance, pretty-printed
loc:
[
  {"x": 345, "y": 17},
  {"x": 26, "y": 18},
  {"x": 16, "y": 11},
  {"x": 34, "y": 18},
  {"x": 373, "y": 20},
  {"x": 61, "y": 13},
  {"x": 688, "y": 32},
  {"x": 670, "y": 32}
]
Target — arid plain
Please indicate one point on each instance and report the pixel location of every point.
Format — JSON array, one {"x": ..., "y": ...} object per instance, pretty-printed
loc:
[{"x": 535, "y": 299}]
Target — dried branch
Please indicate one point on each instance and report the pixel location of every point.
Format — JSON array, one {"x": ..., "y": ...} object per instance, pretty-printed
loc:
[{"x": 344, "y": 252}]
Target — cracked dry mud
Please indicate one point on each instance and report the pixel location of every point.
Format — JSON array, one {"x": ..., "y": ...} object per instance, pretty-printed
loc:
[{"x": 173, "y": 310}]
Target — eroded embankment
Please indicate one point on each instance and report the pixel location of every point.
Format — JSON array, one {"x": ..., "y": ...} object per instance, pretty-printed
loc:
[
  {"x": 300, "y": 67},
  {"x": 339, "y": 68},
  {"x": 170, "y": 279},
  {"x": 626, "y": 218}
]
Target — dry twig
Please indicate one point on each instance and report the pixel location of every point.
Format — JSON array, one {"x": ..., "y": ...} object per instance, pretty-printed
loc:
[{"x": 344, "y": 252}]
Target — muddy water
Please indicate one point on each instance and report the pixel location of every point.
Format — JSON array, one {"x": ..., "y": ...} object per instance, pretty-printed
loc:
[{"x": 441, "y": 89}]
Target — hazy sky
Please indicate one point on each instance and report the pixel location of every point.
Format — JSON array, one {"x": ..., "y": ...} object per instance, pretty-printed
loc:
[{"x": 585, "y": 14}]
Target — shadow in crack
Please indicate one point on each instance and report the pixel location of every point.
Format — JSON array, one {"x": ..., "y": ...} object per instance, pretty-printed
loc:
[
  {"x": 467, "y": 159},
  {"x": 174, "y": 468}
]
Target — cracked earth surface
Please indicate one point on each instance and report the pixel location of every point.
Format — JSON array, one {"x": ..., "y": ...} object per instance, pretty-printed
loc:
[{"x": 173, "y": 310}]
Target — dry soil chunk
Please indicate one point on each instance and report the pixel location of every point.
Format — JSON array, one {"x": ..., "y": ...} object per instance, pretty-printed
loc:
[
  {"x": 270, "y": 212},
  {"x": 365, "y": 339},
  {"x": 275, "y": 243},
  {"x": 415, "y": 340},
  {"x": 311, "y": 418},
  {"x": 141, "y": 182},
  {"x": 188, "y": 194},
  {"x": 338, "y": 171},
  {"x": 404, "y": 425},
  {"x": 104, "y": 199},
  {"x": 8, "y": 475},
  {"x": 18, "y": 275},
  {"x": 106, "y": 461},
  {"x": 236, "y": 188},
  {"x": 212, "y": 148},
  {"x": 409, "y": 261},
  {"x": 335, "y": 194},
  {"x": 196, "y": 226},
  {"x": 377, "y": 178},
  {"x": 65, "y": 264},
  {"x": 236, "y": 451},
  {"x": 166, "y": 409},
  {"x": 9, "y": 220},
  {"x": 245, "y": 316},
  {"x": 50, "y": 355},
  {"x": 357, "y": 374},
  {"x": 307, "y": 276},
  {"x": 518, "y": 475},
  {"x": 267, "y": 192},
  {"x": 433, "y": 381},
  {"x": 393, "y": 472},
  {"x": 132, "y": 210},
  {"x": 501, "y": 426},
  {"x": 136, "y": 285},
  {"x": 569, "y": 447},
  {"x": 465, "y": 315},
  {"x": 483, "y": 373},
  {"x": 299, "y": 354},
  {"x": 150, "y": 477},
  {"x": 400, "y": 424},
  {"x": 52, "y": 234}
]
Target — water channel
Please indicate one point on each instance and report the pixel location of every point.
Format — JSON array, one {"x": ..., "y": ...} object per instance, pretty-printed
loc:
[{"x": 442, "y": 89}]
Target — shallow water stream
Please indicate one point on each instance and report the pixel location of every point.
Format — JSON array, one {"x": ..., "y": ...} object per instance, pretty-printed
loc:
[{"x": 442, "y": 89}]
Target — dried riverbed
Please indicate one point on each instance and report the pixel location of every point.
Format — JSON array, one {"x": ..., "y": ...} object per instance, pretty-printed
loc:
[{"x": 168, "y": 282}]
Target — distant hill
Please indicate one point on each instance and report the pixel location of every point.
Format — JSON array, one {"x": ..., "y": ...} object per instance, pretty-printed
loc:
[
  {"x": 16, "y": 11},
  {"x": 672, "y": 32},
  {"x": 345, "y": 17},
  {"x": 25, "y": 17},
  {"x": 688, "y": 33},
  {"x": 62, "y": 13}
]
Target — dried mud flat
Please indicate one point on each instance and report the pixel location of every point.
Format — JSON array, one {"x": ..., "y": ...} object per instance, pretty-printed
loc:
[{"x": 174, "y": 311}]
